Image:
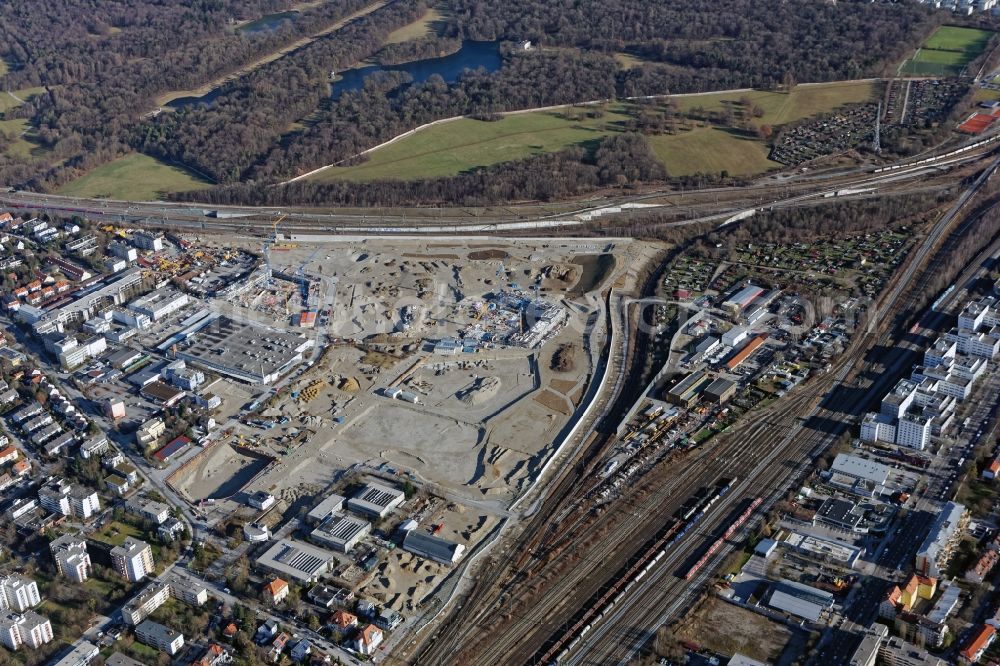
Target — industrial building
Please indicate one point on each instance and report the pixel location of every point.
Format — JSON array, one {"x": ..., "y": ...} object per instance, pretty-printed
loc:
[
  {"x": 687, "y": 391},
  {"x": 341, "y": 532},
  {"x": 800, "y": 600},
  {"x": 720, "y": 391},
  {"x": 857, "y": 475},
  {"x": 243, "y": 351},
  {"x": 737, "y": 359},
  {"x": 296, "y": 560},
  {"x": 738, "y": 303},
  {"x": 329, "y": 506},
  {"x": 431, "y": 547},
  {"x": 376, "y": 500},
  {"x": 840, "y": 514}
]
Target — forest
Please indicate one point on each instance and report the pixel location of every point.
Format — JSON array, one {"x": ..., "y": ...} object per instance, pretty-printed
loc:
[{"x": 104, "y": 62}]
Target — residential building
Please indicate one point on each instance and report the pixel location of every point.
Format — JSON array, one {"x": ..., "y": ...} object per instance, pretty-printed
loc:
[
  {"x": 978, "y": 643},
  {"x": 866, "y": 653},
  {"x": 72, "y": 559},
  {"x": 80, "y": 655},
  {"x": 368, "y": 640},
  {"x": 133, "y": 559},
  {"x": 145, "y": 603},
  {"x": 276, "y": 590},
  {"x": 59, "y": 496},
  {"x": 160, "y": 637},
  {"x": 18, "y": 593},
  {"x": 895, "y": 651},
  {"x": 937, "y": 548},
  {"x": 28, "y": 628}
]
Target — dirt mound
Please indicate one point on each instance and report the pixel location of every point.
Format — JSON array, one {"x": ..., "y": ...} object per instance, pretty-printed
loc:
[
  {"x": 349, "y": 384},
  {"x": 484, "y": 255},
  {"x": 480, "y": 392}
]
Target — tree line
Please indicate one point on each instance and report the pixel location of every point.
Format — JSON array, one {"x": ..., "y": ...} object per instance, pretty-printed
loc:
[{"x": 619, "y": 160}]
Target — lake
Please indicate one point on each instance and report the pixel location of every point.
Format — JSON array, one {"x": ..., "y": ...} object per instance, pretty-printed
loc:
[
  {"x": 267, "y": 23},
  {"x": 472, "y": 55}
]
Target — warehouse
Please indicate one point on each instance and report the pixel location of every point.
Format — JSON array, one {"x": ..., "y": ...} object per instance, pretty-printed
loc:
[
  {"x": 325, "y": 509},
  {"x": 840, "y": 514},
  {"x": 738, "y": 302},
  {"x": 248, "y": 352},
  {"x": 748, "y": 349},
  {"x": 296, "y": 560},
  {"x": 432, "y": 547},
  {"x": 687, "y": 391},
  {"x": 720, "y": 391},
  {"x": 800, "y": 600},
  {"x": 376, "y": 500},
  {"x": 341, "y": 532}
]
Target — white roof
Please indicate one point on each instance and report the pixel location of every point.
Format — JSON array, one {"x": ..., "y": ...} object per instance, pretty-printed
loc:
[{"x": 860, "y": 468}]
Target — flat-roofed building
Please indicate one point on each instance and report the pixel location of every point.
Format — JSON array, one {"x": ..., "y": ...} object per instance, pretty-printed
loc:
[
  {"x": 329, "y": 506},
  {"x": 687, "y": 391},
  {"x": 160, "y": 636},
  {"x": 432, "y": 547},
  {"x": 245, "y": 351},
  {"x": 341, "y": 532},
  {"x": 145, "y": 603},
  {"x": 28, "y": 628},
  {"x": 72, "y": 559},
  {"x": 133, "y": 559},
  {"x": 376, "y": 500},
  {"x": 938, "y": 547},
  {"x": 296, "y": 560},
  {"x": 80, "y": 655}
]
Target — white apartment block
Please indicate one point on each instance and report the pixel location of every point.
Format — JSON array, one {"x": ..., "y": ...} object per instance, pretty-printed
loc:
[
  {"x": 63, "y": 498},
  {"x": 72, "y": 559},
  {"x": 18, "y": 593},
  {"x": 29, "y": 629},
  {"x": 133, "y": 559}
]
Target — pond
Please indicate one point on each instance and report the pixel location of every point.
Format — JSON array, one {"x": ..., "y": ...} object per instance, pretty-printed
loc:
[
  {"x": 267, "y": 23},
  {"x": 472, "y": 55}
]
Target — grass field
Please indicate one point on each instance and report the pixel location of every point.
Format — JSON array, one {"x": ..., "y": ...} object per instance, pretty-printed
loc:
[
  {"x": 947, "y": 51},
  {"x": 21, "y": 147},
  {"x": 711, "y": 150},
  {"x": 428, "y": 24},
  {"x": 953, "y": 38},
  {"x": 135, "y": 177},
  {"x": 451, "y": 148},
  {"x": 9, "y": 101},
  {"x": 780, "y": 108},
  {"x": 116, "y": 532}
]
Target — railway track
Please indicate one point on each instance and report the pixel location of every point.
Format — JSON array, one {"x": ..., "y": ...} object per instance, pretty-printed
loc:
[{"x": 664, "y": 596}]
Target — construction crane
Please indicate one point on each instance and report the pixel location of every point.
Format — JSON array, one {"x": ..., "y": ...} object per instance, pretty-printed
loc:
[
  {"x": 306, "y": 291},
  {"x": 268, "y": 242}
]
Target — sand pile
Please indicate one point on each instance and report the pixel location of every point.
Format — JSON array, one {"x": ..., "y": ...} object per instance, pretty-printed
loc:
[{"x": 480, "y": 391}]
